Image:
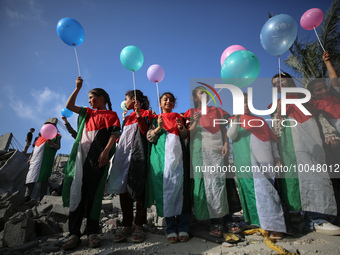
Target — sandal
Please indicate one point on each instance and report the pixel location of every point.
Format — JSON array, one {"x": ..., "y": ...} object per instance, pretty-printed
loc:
[
  {"x": 234, "y": 228},
  {"x": 94, "y": 241},
  {"x": 172, "y": 238},
  {"x": 121, "y": 235},
  {"x": 71, "y": 242},
  {"x": 276, "y": 235},
  {"x": 216, "y": 231},
  {"x": 138, "y": 236},
  {"x": 183, "y": 237}
]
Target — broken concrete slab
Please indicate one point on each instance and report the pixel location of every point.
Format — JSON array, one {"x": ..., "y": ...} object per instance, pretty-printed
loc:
[
  {"x": 44, "y": 209},
  {"x": 47, "y": 227},
  {"x": 19, "y": 232},
  {"x": 6, "y": 214},
  {"x": 16, "y": 199},
  {"x": 59, "y": 213}
]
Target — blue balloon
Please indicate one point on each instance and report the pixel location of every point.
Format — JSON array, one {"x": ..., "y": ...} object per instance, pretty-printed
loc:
[
  {"x": 132, "y": 58},
  {"x": 278, "y": 34},
  {"x": 66, "y": 112},
  {"x": 240, "y": 68},
  {"x": 70, "y": 31}
]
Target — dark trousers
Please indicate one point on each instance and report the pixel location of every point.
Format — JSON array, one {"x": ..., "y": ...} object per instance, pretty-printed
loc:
[
  {"x": 84, "y": 208},
  {"x": 179, "y": 223},
  {"x": 76, "y": 218},
  {"x": 126, "y": 203},
  {"x": 30, "y": 187}
]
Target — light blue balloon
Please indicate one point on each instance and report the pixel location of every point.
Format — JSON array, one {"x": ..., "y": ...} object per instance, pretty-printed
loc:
[
  {"x": 132, "y": 58},
  {"x": 240, "y": 68},
  {"x": 66, "y": 112},
  {"x": 278, "y": 34},
  {"x": 123, "y": 106},
  {"x": 70, "y": 31}
]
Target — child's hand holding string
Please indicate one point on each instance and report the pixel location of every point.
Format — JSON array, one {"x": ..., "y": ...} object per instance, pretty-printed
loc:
[
  {"x": 160, "y": 121},
  {"x": 197, "y": 116},
  {"x": 160, "y": 124},
  {"x": 79, "y": 82},
  {"x": 179, "y": 123},
  {"x": 326, "y": 57}
]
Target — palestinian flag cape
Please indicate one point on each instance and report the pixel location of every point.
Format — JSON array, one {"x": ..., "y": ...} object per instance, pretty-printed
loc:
[
  {"x": 330, "y": 105},
  {"x": 166, "y": 169},
  {"x": 129, "y": 167},
  {"x": 301, "y": 146},
  {"x": 82, "y": 173},
  {"x": 253, "y": 150},
  {"x": 210, "y": 194},
  {"x": 42, "y": 160}
]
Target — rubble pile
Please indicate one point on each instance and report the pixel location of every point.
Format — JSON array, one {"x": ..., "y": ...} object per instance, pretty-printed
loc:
[{"x": 39, "y": 227}]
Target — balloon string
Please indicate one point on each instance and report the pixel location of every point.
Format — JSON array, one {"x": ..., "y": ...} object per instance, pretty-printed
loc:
[
  {"x": 318, "y": 39},
  {"x": 75, "y": 51},
  {"x": 134, "y": 84},
  {"x": 278, "y": 57},
  {"x": 159, "y": 105}
]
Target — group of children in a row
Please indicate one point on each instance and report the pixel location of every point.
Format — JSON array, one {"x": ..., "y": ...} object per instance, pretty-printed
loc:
[{"x": 151, "y": 164}]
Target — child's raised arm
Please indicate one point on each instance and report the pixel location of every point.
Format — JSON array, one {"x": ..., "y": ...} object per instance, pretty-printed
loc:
[
  {"x": 72, "y": 99},
  {"x": 331, "y": 71}
]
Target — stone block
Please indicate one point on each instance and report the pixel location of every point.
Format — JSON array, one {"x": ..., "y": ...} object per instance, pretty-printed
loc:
[
  {"x": 19, "y": 232},
  {"x": 16, "y": 199},
  {"x": 5, "y": 196},
  {"x": 5, "y": 214},
  {"x": 59, "y": 213},
  {"x": 112, "y": 222},
  {"x": 47, "y": 227},
  {"x": 161, "y": 222},
  {"x": 52, "y": 200},
  {"x": 44, "y": 209}
]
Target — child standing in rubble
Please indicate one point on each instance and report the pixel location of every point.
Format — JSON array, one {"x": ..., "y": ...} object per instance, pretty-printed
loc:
[{"x": 86, "y": 169}]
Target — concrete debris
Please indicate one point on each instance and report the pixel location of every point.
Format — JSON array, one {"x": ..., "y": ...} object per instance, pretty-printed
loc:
[{"x": 41, "y": 228}]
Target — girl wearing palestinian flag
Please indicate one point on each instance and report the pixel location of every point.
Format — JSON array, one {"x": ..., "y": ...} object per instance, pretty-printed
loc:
[
  {"x": 41, "y": 162},
  {"x": 167, "y": 184},
  {"x": 129, "y": 166},
  {"x": 86, "y": 169},
  {"x": 327, "y": 101},
  {"x": 214, "y": 195},
  {"x": 303, "y": 188},
  {"x": 255, "y": 155}
]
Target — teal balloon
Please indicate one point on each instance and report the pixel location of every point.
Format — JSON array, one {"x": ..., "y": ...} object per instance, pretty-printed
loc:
[
  {"x": 66, "y": 112},
  {"x": 240, "y": 68},
  {"x": 278, "y": 34},
  {"x": 132, "y": 58}
]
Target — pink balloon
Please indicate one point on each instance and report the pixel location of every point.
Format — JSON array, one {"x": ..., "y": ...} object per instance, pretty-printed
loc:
[
  {"x": 229, "y": 50},
  {"x": 311, "y": 18},
  {"x": 48, "y": 131},
  {"x": 155, "y": 73}
]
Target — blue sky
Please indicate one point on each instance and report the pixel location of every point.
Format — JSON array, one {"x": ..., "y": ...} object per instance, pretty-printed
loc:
[{"x": 38, "y": 71}]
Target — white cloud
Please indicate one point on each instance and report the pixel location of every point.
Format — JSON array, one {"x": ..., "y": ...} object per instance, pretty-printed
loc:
[
  {"x": 45, "y": 104},
  {"x": 22, "y": 11}
]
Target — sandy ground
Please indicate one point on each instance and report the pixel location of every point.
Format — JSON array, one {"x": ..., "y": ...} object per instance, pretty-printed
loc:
[{"x": 311, "y": 243}]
